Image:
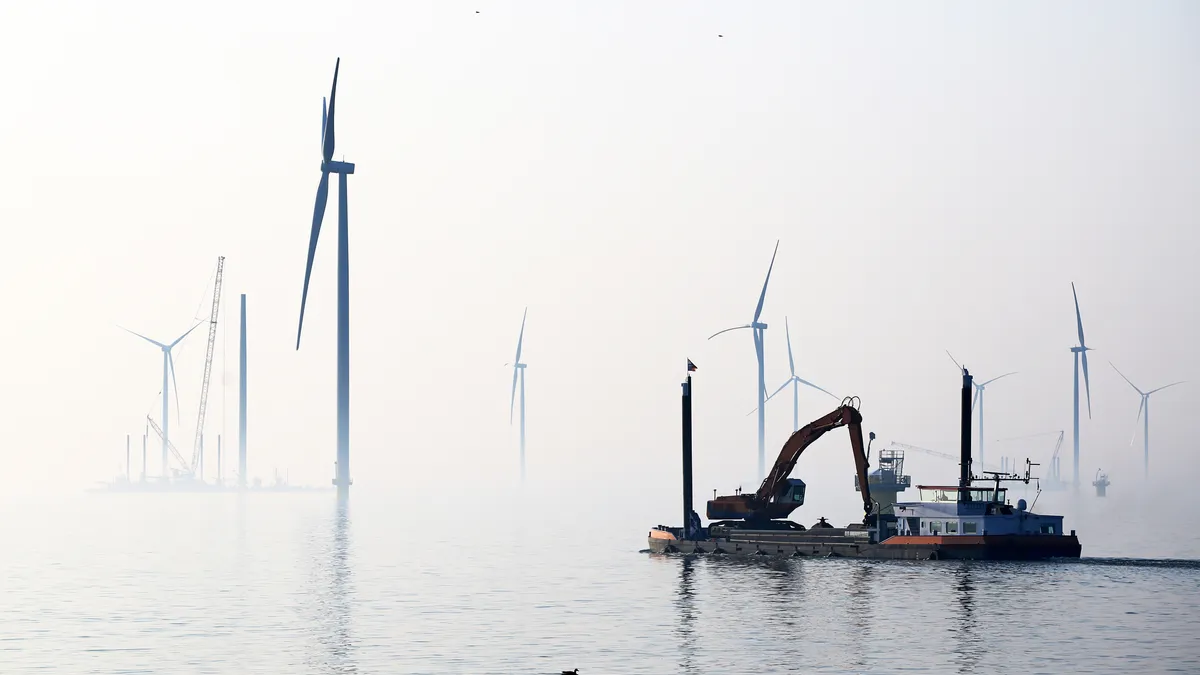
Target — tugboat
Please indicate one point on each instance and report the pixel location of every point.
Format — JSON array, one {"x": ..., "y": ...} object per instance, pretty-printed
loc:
[{"x": 963, "y": 521}]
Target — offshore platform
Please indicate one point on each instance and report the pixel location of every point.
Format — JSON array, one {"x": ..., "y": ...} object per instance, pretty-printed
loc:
[
  {"x": 180, "y": 473},
  {"x": 888, "y": 481}
]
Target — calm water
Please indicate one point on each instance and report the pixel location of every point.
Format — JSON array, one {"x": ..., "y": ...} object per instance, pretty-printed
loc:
[{"x": 295, "y": 584}]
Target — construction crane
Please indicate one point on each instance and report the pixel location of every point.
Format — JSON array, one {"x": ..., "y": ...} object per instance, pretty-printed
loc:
[
  {"x": 934, "y": 453},
  {"x": 208, "y": 360},
  {"x": 175, "y": 451},
  {"x": 779, "y": 495}
]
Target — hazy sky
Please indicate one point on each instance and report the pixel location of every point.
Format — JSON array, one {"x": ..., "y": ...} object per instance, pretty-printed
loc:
[{"x": 938, "y": 174}]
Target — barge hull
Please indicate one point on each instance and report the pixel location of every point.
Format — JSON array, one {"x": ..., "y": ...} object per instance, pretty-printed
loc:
[{"x": 843, "y": 545}]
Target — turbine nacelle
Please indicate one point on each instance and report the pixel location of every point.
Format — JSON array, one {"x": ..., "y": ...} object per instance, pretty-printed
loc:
[{"x": 333, "y": 166}]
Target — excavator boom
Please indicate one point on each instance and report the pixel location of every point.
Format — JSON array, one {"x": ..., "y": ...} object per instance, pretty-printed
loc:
[{"x": 770, "y": 501}]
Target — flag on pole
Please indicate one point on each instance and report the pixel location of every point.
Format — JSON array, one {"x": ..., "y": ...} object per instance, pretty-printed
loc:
[{"x": 691, "y": 366}]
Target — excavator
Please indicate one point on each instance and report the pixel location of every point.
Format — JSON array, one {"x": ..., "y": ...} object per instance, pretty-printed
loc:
[{"x": 779, "y": 495}]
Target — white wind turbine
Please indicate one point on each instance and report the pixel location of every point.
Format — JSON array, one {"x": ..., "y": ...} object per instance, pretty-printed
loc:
[{"x": 1144, "y": 405}]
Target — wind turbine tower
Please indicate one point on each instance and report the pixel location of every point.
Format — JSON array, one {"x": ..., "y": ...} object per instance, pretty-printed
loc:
[
  {"x": 168, "y": 367},
  {"x": 1144, "y": 405},
  {"x": 979, "y": 389},
  {"x": 1080, "y": 351},
  {"x": 795, "y": 381},
  {"x": 758, "y": 328},
  {"x": 342, "y": 169},
  {"x": 519, "y": 374}
]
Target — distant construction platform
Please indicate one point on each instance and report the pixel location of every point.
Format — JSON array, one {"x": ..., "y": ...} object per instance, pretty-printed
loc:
[{"x": 161, "y": 485}]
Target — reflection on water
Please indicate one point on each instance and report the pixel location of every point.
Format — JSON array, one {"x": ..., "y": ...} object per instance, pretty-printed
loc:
[
  {"x": 967, "y": 644},
  {"x": 335, "y": 596},
  {"x": 686, "y": 604},
  {"x": 275, "y": 584}
]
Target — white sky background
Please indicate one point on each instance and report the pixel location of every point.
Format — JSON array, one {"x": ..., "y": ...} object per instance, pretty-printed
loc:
[{"x": 938, "y": 174}]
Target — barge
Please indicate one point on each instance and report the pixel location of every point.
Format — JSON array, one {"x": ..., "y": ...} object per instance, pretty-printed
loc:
[{"x": 972, "y": 520}]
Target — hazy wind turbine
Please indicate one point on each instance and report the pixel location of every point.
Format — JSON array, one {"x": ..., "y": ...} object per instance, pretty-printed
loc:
[
  {"x": 759, "y": 329},
  {"x": 794, "y": 381},
  {"x": 342, "y": 169},
  {"x": 1146, "y": 405},
  {"x": 979, "y": 387},
  {"x": 519, "y": 374},
  {"x": 168, "y": 364},
  {"x": 1080, "y": 351}
]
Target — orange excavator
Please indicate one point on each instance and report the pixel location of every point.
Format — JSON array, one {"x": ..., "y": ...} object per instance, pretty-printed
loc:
[{"x": 779, "y": 495}]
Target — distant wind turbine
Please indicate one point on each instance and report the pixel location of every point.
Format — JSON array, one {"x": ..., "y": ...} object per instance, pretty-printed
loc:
[
  {"x": 1145, "y": 404},
  {"x": 758, "y": 329},
  {"x": 519, "y": 374},
  {"x": 794, "y": 381},
  {"x": 342, "y": 169},
  {"x": 168, "y": 365},
  {"x": 979, "y": 387},
  {"x": 1080, "y": 351}
]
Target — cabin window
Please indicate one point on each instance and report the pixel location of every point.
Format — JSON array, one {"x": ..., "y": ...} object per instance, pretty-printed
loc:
[
  {"x": 951, "y": 527},
  {"x": 969, "y": 527},
  {"x": 1047, "y": 529},
  {"x": 797, "y": 494},
  {"x": 935, "y": 527}
]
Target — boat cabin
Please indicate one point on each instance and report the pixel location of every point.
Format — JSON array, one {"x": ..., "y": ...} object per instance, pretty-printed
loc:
[{"x": 948, "y": 510}]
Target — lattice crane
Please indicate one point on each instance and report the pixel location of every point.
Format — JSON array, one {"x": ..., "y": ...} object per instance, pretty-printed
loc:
[
  {"x": 208, "y": 360},
  {"x": 175, "y": 451}
]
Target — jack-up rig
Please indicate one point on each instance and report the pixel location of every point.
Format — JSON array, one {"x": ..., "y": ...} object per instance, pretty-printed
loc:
[
  {"x": 187, "y": 475},
  {"x": 964, "y": 521}
]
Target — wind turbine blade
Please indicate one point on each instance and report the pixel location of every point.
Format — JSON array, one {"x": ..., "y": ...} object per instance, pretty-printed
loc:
[
  {"x": 1086, "y": 385},
  {"x": 180, "y": 338},
  {"x": 763, "y": 296},
  {"x": 768, "y": 398},
  {"x": 174, "y": 383},
  {"x": 1078, "y": 318},
  {"x": 318, "y": 216},
  {"x": 727, "y": 330},
  {"x": 521, "y": 337},
  {"x": 996, "y": 378},
  {"x": 955, "y": 360},
  {"x": 324, "y": 121},
  {"x": 1139, "y": 419},
  {"x": 513, "y": 400},
  {"x": 1114, "y": 367},
  {"x": 788, "y": 333},
  {"x": 1165, "y": 386},
  {"x": 327, "y": 148},
  {"x": 810, "y": 384},
  {"x": 153, "y": 342},
  {"x": 978, "y": 393}
]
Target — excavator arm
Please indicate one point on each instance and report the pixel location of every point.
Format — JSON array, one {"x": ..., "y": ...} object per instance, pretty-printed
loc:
[{"x": 768, "y": 502}]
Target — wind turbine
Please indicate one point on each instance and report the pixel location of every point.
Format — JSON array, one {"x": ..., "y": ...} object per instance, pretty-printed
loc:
[
  {"x": 979, "y": 387},
  {"x": 342, "y": 169},
  {"x": 519, "y": 373},
  {"x": 758, "y": 329},
  {"x": 1080, "y": 351},
  {"x": 1144, "y": 404},
  {"x": 168, "y": 363},
  {"x": 794, "y": 381}
]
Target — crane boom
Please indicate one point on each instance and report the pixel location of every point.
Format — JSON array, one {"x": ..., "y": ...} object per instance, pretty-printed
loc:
[
  {"x": 772, "y": 500},
  {"x": 208, "y": 359},
  {"x": 934, "y": 453},
  {"x": 175, "y": 451}
]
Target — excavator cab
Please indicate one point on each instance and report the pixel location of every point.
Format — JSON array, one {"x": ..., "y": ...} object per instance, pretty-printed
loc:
[{"x": 795, "y": 492}]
